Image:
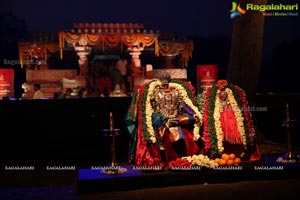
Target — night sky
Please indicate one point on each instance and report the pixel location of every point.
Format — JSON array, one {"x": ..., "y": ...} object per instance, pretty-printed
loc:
[
  {"x": 200, "y": 19},
  {"x": 188, "y": 17}
]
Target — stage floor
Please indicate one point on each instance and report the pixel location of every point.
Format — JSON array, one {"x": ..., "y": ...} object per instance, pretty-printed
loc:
[
  {"x": 91, "y": 180},
  {"x": 84, "y": 183}
]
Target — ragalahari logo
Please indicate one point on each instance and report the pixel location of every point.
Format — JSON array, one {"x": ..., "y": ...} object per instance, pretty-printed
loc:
[{"x": 236, "y": 10}]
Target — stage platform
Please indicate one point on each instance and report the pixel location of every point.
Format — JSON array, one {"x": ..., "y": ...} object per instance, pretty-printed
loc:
[{"x": 91, "y": 180}]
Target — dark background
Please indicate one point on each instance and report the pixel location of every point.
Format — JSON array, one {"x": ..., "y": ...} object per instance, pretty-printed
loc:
[
  {"x": 207, "y": 23},
  {"x": 70, "y": 130}
]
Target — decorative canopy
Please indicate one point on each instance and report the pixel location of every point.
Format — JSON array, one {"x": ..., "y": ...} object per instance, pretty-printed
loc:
[
  {"x": 37, "y": 49},
  {"x": 113, "y": 34},
  {"x": 110, "y": 40},
  {"x": 110, "y": 35},
  {"x": 107, "y": 35},
  {"x": 184, "y": 49}
]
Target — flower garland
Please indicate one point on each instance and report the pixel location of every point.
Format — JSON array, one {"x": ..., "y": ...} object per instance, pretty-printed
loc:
[
  {"x": 192, "y": 163},
  {"x": 201, "y": 160},
  {"x": 188, "y": 101},
  {"x": 188, "y": 87},
  {"x": 142, "y": 127},
  {"x": 149, "y": 111},
  {"x": 238, "y": 115},
  {"x": 218, "y": 125},
  {"x": 209, "y": 127},
  {"x": 211, "y": 108},
  {"x": 145, "y": 114},
  {"x": 248, "y": 122}
]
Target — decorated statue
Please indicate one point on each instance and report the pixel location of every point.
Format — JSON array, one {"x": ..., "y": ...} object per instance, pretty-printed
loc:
[
  {"x": 164, "y": 122},
  {"x": 227, "y": 122}
]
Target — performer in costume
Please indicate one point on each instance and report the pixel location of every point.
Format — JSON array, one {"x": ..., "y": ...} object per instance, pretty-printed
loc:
[{"x": 167, "y": 120}]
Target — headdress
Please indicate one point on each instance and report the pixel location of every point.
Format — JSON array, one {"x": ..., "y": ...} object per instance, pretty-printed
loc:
[{"x": 222, "y": 84}]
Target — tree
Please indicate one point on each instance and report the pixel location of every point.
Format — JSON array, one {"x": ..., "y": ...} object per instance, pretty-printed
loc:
[
  {"x": 12, "y": 30},
  {"x": 247, "y": 49}
]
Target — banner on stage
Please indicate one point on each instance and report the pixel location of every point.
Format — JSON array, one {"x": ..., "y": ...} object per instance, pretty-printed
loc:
[{"x": 6, "y": 83}]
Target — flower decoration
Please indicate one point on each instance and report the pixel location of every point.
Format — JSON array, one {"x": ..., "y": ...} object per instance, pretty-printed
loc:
[
  {"x": 222, "y": 84},
  {"x": 201, "y": 160},
  {"x": 187, "y": 162},
  {"x": 180, "y": 163},
  {"x": 145, "y": 109},
  {"x": 210, "y": 106}
]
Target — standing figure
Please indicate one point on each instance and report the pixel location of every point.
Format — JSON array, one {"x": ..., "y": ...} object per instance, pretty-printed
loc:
[
  {"x": 104, "y": 84},
  {"x": 115, "y": 74},
  {"x": 123, "y": 66},
  {"x": 38, "y": 94}
]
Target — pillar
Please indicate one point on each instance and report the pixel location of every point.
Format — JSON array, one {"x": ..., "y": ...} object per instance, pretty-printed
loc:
[
  {"x": 83, "y": 52},
  {"x": 135, "y": 53},
  {"x": 137, "y": 72}
]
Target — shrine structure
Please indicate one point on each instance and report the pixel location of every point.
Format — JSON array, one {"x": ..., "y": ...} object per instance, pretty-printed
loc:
[{"x": 106, "y": 40}]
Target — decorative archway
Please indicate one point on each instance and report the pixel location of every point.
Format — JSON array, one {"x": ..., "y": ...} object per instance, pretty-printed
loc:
[{"x": 85, "y": 36}]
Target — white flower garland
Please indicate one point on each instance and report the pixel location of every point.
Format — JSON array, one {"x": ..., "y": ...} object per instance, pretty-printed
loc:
[
  {"x": 201, "y": 160},
  {"x": 237, "y": 113},
  {"x": 187, "y": 100},
  {"x": 218, "y": 126},
  {"x": 149, "y": 109}
]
